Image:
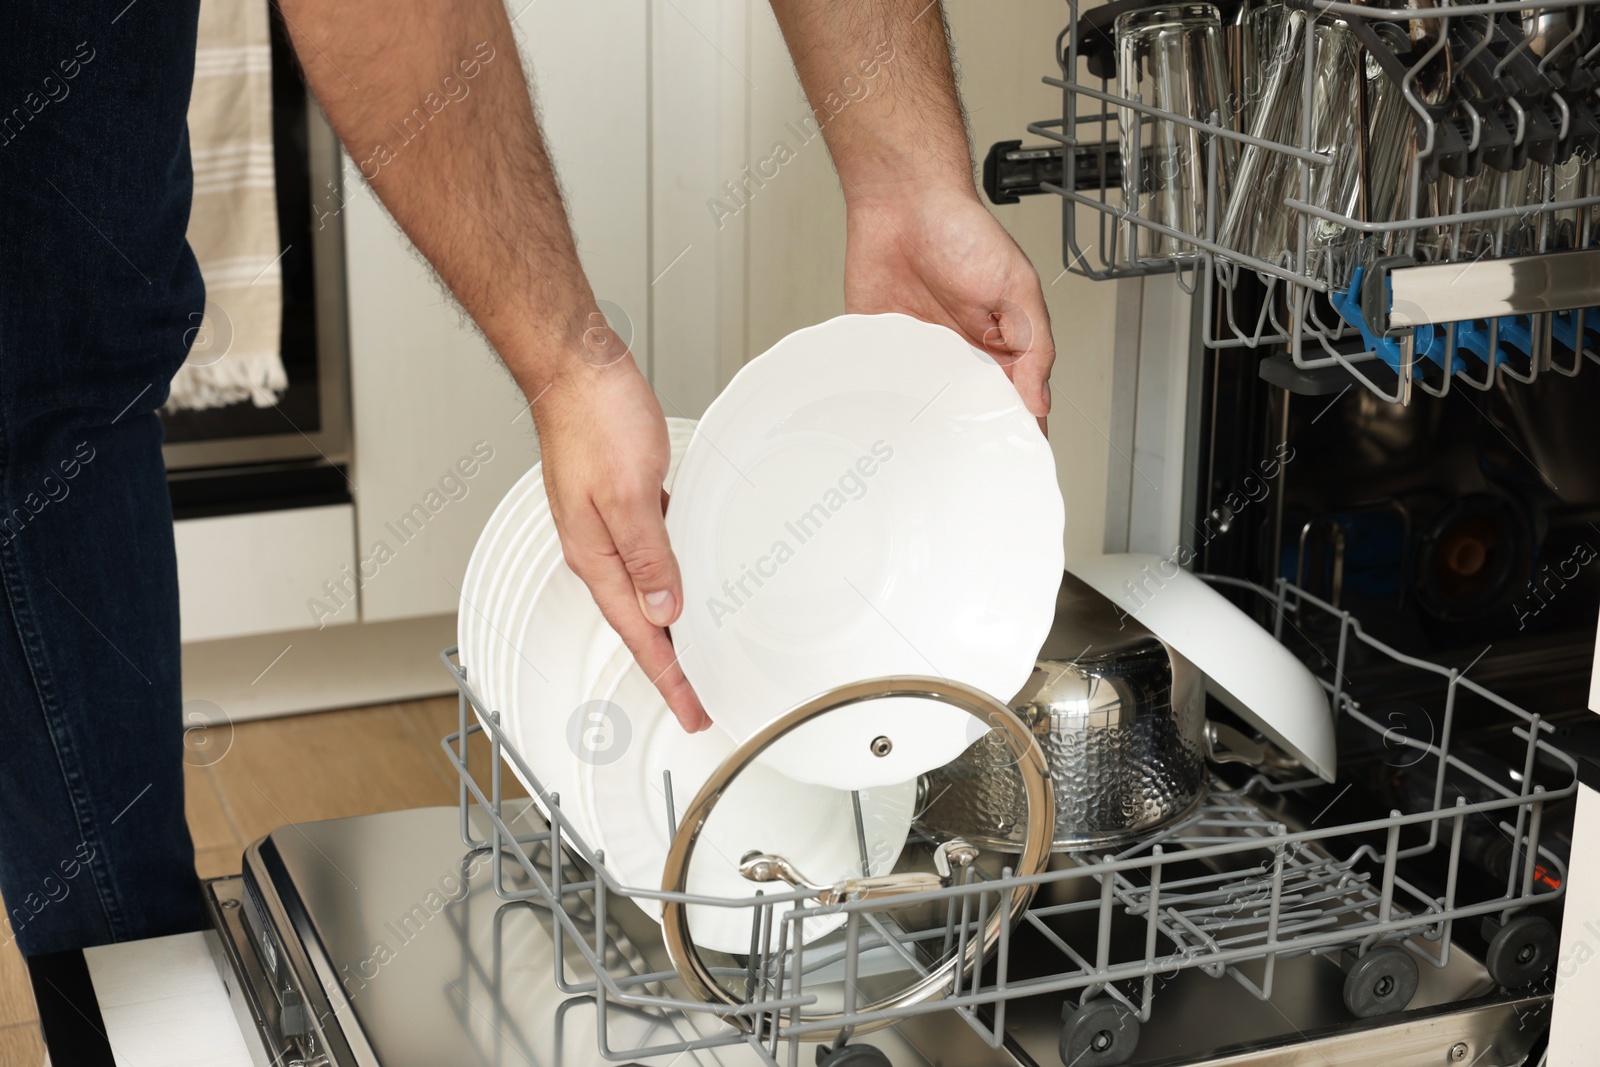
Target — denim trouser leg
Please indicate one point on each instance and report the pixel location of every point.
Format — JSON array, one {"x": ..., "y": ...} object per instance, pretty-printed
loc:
[{"x": 97, "y": 290}]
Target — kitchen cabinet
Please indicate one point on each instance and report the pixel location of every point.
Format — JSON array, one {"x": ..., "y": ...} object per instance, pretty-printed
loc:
[{"x": 245, "y": 574}]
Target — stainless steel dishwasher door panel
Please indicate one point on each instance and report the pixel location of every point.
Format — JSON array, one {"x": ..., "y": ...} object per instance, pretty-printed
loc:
[{"x": 398, "y": 953}]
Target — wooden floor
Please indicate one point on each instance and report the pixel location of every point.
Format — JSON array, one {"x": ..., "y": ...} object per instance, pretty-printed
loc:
[{"x": 277, "y": 771}]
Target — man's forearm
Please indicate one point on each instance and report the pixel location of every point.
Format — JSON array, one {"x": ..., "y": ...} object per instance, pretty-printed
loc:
[
  {"x": 903, "y": 125},
  {"x": 431, "y": 102}
]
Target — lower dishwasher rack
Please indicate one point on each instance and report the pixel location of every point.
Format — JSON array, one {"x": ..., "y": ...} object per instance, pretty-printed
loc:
[{"x": 1237, "y": 890}]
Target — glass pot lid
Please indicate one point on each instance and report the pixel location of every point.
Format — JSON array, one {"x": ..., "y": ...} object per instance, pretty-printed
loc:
[{"x": 846, "y": 921}]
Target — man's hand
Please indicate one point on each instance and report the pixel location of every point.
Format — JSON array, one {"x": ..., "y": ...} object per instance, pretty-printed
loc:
[
  {"x": 883, "y": 91},
  {"x": 477, "y": 195},
  {"x": 944, "y": 259},
  {"x": 604, "y": 445}
]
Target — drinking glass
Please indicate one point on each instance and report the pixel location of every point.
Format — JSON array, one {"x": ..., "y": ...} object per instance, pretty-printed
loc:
[
  {"x": 1249, "y": 41},
  {"x": 1391, "y": 153},
  {"x": 1170, "y": 58},
  {"x": 1488, "y": 190},
  {"x": 1573, "y": 180},
  {"x": 1261, "y": 224}
]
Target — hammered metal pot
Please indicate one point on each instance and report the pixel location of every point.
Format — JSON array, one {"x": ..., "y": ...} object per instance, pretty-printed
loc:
[{"x": 1121, "y": 719}]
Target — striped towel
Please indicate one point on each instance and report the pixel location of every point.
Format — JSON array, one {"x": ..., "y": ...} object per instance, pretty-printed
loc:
[{"x": 233, "y": 227}]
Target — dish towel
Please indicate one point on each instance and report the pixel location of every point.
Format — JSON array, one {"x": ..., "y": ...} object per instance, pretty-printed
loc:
[{"x": 233, "y": 227}]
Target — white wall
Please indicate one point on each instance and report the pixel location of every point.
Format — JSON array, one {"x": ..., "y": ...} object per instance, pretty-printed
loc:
[
  {"x": 688, "y": 94},
  {"x": 1001, "y": 61},
  {"x": 697, "y": 139},
  {"x": 649, "y": 106}
]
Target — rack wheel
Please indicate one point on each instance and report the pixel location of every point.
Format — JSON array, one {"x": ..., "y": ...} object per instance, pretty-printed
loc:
[
  {"x": 1521, "y": 951},
  {"x": 1100, "y": 1033},
  {"x": 852, "y": 1056},
  {"x": 1381, "y": 982}
]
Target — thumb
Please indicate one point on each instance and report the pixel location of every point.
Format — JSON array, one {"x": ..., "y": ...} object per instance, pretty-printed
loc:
[
  {"x": 1017, "y": 337},
  {"x": 639, "y": 531}
]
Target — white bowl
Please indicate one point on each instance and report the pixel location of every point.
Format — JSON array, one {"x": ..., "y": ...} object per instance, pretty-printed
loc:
[
  {"x": 867, "y": 498},
  {"x": 1244, "y": 665}
]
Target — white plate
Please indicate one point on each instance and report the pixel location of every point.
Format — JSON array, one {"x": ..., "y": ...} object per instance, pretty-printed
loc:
[
  {"x": 497, "y": 567},
  {"x": 559, "y": 642},
  {"x": 492, "y": 640},
  {"x": 867, "y": 498},
  {"x": 498, "y": 668},
  {"x": 485, "y": 566},
  {"x": 559, "y": 634},
  {"x": 1245, "y": 666},
  {"x": 623, "y": 795},
  {"x": 516, "y": 551},
  {"x": 679, "y": 433},
  {"x": 478, "y": 632},
  {"x": 488, "y": 567}
]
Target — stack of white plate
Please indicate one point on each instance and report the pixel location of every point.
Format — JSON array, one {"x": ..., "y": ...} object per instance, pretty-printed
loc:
[
  {"x": 531, "y": 638},
  {"x": 596, "y": 732},
  {"x": 868, "y": 498}
]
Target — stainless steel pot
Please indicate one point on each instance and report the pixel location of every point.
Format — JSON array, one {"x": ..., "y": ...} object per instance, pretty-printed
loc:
[{"x": 1120, "y": 717}]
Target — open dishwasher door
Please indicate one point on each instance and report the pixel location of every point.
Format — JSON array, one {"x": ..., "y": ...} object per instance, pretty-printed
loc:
[{"x": 380, "y": 940}]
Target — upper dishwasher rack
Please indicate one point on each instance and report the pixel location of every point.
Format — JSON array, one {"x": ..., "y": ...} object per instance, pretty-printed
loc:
[{"x": 1469, "y": 243}]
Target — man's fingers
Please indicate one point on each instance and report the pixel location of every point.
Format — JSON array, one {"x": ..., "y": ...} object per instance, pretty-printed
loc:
[
  {"x": 1018, "y": 337},
  {"x": 639, "y": 531},
  {"x": 1035, "y": 350},
  {"x": 591, "y": 552},
  {"x": 613, "y": 590}
]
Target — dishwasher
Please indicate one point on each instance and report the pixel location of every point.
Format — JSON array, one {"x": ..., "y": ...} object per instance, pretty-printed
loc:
[{"x": 1366, "y": 439}]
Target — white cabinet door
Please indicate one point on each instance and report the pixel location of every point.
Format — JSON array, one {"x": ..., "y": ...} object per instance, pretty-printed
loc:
[
  {"x": 266, "y": 571},
  {"x": 429, "y": 399},
  {"x": 700, "y": 75}
]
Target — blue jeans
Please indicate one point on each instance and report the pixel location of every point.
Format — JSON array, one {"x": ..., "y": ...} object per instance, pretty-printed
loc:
[{"x": 98, "y": 290}]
